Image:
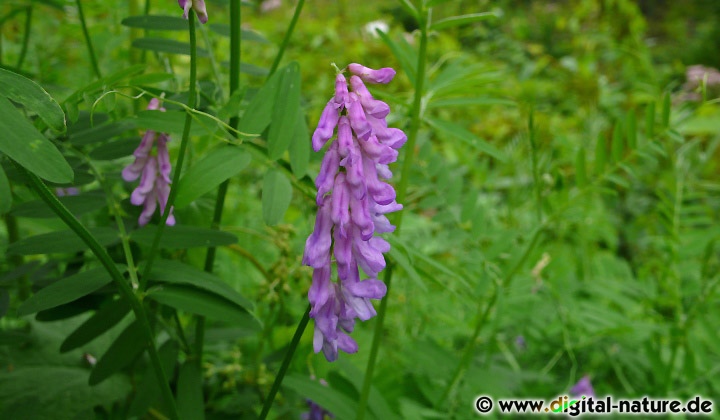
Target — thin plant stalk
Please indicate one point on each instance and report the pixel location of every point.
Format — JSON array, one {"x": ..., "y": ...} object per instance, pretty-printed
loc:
[
  {"x": 401, "y": 194},
  {"x": 286, "y": 364},
  {"x": 88, "y": 41},
  {"x": 286, "y": 39},
  {"x": 192, "y": 100},
  {"x": 124, "y": 288},
  {"x": 26, "y": 37},
  {"x": 235, "y": 43}
]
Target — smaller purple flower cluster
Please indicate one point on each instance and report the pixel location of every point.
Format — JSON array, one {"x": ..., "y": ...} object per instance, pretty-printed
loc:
[
  {"x": 197, "y": 5},
  {"x": 316, "y": 412},
  {"x": 352, "y": 201},
  {"x": 153, "y": 171}
]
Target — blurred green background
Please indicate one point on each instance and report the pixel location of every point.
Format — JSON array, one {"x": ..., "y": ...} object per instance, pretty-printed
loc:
[{"x": 583, "y": 237}]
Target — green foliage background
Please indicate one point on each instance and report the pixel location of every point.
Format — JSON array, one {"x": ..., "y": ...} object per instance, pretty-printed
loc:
[{"x": 564, "y": 204}]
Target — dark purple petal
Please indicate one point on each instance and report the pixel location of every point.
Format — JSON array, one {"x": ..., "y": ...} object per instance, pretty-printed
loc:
[
  {"x": 383, "y": 75},
  {"x": 147, "y": 183},
  {"x": 343, "y": 252},
  {"x": 164, "y": 157},
  {"x": 583, "y": 388}
]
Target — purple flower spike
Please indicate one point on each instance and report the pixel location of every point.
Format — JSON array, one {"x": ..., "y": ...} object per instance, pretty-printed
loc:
[
  {"x": 353, "y": 202},
  {"x": 153, "y": 171},
  {"x": 383, "y": 76},
  {"x": 197, "y": 5}
]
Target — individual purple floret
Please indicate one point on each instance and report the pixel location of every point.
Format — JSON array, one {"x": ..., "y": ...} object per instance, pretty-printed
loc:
[
  {"x": 153, "y": 171},
  {"x": 353, "y": 199},
  {"x": 583, "y": 388},
  {"x": 316, "y": 412},
  {"x": 197, "y": 5}
]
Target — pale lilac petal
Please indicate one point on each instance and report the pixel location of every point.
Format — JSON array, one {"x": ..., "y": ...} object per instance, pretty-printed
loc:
[
  {"x": 164, "y": 157},
  {"x": 321, "y": 289},
  {"x": 345, "y": 137},
  {"x": 341, "y": 97},
  {"x": 374, "y": 107},
  {"x": 326, "y": 126},
  {"x": 317, "y": 246},
  {"x": 343, "y": 252},
  {"x": 356, "y": 114},
  {"x": 147, "y": 183},
  {"x": 346, "y": 343},
  {"x": 148, "y": 209},
  {"x": 360, "y": 213},
  {"x": 383, "y": 75},
  {"x": 341, "y": 204},
  {"x": 326, "y": 178}
]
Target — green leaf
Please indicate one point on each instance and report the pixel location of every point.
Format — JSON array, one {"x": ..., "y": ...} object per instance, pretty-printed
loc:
[
  {"x": 156, "y": 22},
  {"x": 104, "y": 318},
  {"x": 197, "y": 301},
  {"x": 580, "y": 168},
  {"x": 77, "y": 204},
  {"x": 666, "y": 110},
  {"x": 5, "y": 193},
  {"x": 404, "y": 262},
  {"x": 253, "y": 70},
  {"x": 102, "y": 85},
  {"x": 220, "y": 164},
  {"x": 66, "y": 290},
  {"x": 631, "y": 130},
  {"x": 148, "y": 391},
  {"x": 461, "y": 20},
  {"x": 174, "y": 122},
  {"x": 433, "y": 3},
  {"x": 600, "y": 154},
  {"x": 25, "y": 145},
  {"x": 126, "y": 347},
  {"x": 258, "y": 113},
  {"x": 33, "y": 97},
  {"x": 181, "y": 237},
  {"x": 478, "y": 100},
  {"x": 150, "y": 79},
  {"x": 115, "y": 149},
  {"x": 403, "y": 55},
  {"x": 617, "y": 146},
  {"x": 48, "y": 391},
  {"x": 60, "y": 242},
  {"x": 101, "y": 132},
  {"x": 168, "y": 46},
  {"x": 467, "y": 137},
  {"x": 245, "y": 34},
  {"x": 285, "y": 111},
  {"x": 410, "y": 9},
  {"x": 300, "y": 147},
  {"x": 175, "y": 272},
  {"x": 340, "y": 405},
  {"x": 190, "y": 401},
  {"x": 276, "y": 195},
  {"x": 377, "y": 404},
  {"x": 650, "y": 120}
]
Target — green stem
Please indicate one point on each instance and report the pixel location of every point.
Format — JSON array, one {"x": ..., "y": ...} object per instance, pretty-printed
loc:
[
  {"x": 192, "y": 99},
  {"x": 401, "y": 194},
  {"x": 286, "y": 364},
  {"x": 535, "y": 172},
  {"x": 286, "y": 39},
  {"x": 13, "y": 233},
  {"x": 235, "y": 20},
  {"x": 125, "y": 290},
  {"x": 88, "y": 41},
  {"x": 26, "y": 37},
  {"x": 483, "y": 315}
]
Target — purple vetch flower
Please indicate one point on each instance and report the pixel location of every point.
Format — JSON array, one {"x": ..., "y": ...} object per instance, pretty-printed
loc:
[
  {"x": 153, "y": 171},
  {"x": 316, "y": 412},
  {"x": 197, "y": 5},
  {"x": 63, "y": 192},
  {"x": 583, "y": 388},
  {"x": 353, "y": 199}
]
